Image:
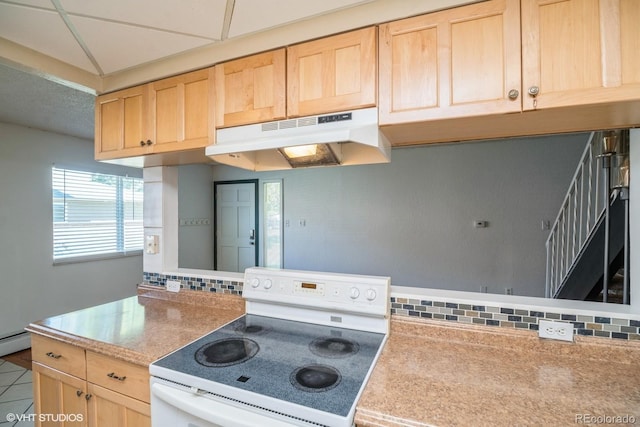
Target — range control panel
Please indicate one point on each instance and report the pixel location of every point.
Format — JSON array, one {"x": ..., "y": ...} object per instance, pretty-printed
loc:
[{"x": 349, "y": 292}]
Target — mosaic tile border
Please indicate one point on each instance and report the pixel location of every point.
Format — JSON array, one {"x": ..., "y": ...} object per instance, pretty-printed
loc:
[
  {"x": 195, "y": 283},
  {"x": 504, "y": 317},
  {"x": 485, "y": 315}
]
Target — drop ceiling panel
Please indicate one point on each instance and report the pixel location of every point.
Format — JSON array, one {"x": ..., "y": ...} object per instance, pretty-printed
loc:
[
  {"x": 45, "y": 4},
  {"x": 202, "y": 18},
  {"x": 250, "y": 16},
  {"x": 47, "y": 34},
  {"x": 118, "y": 46}
]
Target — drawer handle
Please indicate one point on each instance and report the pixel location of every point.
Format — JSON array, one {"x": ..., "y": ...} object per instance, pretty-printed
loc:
[
  {"x": 53, "y": 355},
  {"x": 115, "y": 377}
]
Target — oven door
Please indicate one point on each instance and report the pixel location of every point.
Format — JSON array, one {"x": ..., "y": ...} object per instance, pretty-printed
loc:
[{"x": 172, "y": 406}]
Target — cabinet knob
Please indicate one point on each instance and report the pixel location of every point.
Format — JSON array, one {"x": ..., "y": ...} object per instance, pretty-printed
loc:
[
  {"x": 88, "y": 396},
  {"x": 79, "y": 393},
  {"x": 149, "y": 142},
  {"x": 513, "y": 94},
  {"x": 533, "y": 92},
  {"x": 142, "y": 143}
]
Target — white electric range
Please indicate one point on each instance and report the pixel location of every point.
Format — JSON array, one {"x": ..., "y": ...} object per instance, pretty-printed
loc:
[{"x": 300, "y": 356}]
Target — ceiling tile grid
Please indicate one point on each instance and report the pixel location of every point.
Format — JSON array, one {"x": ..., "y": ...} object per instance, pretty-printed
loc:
[
  {"x": 105, "y": 37},
  {"x": 44, "y": 31}
]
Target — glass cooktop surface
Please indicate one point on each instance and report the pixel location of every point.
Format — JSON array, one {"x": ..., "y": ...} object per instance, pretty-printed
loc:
[{"x": 320, "y": 367}]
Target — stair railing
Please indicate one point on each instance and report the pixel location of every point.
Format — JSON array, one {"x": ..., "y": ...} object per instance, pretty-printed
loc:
[{"x": 583, "y": 205}]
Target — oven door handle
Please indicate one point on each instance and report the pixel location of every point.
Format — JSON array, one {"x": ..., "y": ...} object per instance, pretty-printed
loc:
[{"x": 213, "y": 411}]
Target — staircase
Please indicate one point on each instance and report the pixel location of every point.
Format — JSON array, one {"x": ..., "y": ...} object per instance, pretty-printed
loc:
[{"x": 576, "y": 243}]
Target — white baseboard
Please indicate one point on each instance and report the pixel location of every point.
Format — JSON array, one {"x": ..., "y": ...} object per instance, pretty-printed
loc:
[{"x": 15, "y": 343}]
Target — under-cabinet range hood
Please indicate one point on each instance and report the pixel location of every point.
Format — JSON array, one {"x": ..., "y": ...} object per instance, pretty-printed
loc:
[{"x": 345, "y": 138}]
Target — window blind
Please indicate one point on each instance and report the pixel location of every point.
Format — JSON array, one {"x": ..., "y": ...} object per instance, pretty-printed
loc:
[{"x": 95, "y": 214}]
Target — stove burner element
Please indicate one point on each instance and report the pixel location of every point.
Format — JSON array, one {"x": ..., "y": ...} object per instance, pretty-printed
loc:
[
  {"x": 333, "y": 347},
  {"x": 252, "y": 330},
  {"x": 226, "y": 352},
  {"x": 315, "y": 378}
]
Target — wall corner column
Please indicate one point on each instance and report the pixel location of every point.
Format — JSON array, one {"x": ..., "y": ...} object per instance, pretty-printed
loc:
[
  {"x": 161, "y": 217},
  {"x": 634, "y": 212}
]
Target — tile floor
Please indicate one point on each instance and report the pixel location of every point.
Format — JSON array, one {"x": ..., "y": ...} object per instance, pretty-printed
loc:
[{"x": 16, "y": 395}]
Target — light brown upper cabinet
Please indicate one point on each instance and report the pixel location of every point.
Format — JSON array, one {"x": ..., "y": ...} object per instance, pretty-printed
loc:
[
  {"x": 182, "y": 111},
  {"x": 332, "y": 74},
  {"x": 458, "y": 62},
  {"x": 168, "y": 115},
  {"x": 122, "y": 123},
  {"x": 580, "y": 52},
  {"x": 251, "y": 90}
]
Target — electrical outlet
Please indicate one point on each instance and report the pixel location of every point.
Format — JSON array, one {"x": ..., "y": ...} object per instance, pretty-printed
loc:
[
  {"x": 555, "y": 330},
  {"x": 173, "y": 285}
]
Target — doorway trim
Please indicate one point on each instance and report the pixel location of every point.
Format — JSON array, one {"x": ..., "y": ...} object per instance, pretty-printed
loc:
[{"x": 255, "y": 183}]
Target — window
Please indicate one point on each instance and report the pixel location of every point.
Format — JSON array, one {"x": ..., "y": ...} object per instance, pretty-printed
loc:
[
  {"x": 272, "y": 217},
  {"x": 95, "y": 215}
]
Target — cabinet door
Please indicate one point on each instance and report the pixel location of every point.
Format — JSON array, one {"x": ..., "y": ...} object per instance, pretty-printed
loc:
[
  {"x": 455, "y": 63},
  {"x": 580, "y": 51},
  {"x": 54, "y": 393},
  {"x": 182, "y": 112},
  {"x": 108, "y": 408},
  {"x": 121, "y": 124},
  {"x": 332, "y": 74},
  {"x": 251, "y": 89}
]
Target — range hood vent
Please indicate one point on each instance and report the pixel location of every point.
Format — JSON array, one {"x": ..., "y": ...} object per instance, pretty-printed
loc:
[{"x": 345, "y": 138}]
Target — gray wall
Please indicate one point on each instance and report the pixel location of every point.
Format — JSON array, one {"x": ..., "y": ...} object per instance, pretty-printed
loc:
[
  {"x": 412, "y": 219},
  {"x": 195, "y": 241},
  {"x": 31, "y": 287}
]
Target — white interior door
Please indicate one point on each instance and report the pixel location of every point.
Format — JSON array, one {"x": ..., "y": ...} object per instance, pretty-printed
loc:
[{"x": 236, "y": 232}]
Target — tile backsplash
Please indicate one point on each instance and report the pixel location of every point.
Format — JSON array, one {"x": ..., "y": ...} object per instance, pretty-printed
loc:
[
  {"x": 195, "y": 283},
  {"x": 507, "y": 317},
  {"x": 495, "y": 315}
]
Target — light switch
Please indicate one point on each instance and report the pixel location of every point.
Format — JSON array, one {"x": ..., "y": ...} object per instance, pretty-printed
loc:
[{"x": 151, "y": 244}]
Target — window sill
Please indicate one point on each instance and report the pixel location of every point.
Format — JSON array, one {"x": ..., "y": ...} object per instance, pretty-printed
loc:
[{"x": 92, "y": 258}]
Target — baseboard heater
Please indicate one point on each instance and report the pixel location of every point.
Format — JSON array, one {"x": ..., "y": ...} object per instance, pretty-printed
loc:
[{"x": 15, "y": 341}]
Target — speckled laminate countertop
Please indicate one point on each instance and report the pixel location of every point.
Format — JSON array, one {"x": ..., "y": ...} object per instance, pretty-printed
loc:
[
  {"x": 142, "y": 328},
  {"x": 434, "y": 373}
]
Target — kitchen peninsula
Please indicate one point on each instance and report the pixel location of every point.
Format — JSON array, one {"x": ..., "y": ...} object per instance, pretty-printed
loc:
[
  {"x": 95, "y": 361},
  {"x": 429, "y": 373}
]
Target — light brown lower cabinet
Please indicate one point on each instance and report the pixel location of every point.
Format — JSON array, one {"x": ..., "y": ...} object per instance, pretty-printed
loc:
[
  {"x": 108, "y": 392},
  {"x": 59, "y": 398},
  {"x": 108, "y": 408}
]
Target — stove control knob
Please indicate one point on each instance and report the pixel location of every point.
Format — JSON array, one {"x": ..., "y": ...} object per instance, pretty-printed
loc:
[
  {"x": 371, "y": 294},
  {"x": 354, "y": 293},
  {"x": 255, "y": 282},
  {"x": 268, "y": 284}
]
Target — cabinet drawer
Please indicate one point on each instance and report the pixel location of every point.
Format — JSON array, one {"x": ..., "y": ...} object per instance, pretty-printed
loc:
[
  {"x": 59, "y": 355},
  {"x": 119, "y": 376}
]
